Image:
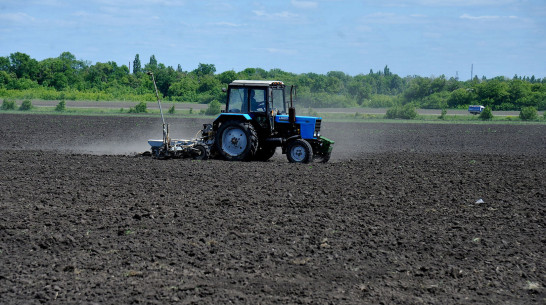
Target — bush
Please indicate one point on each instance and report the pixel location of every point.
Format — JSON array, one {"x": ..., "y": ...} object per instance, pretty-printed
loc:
[
  {"x": 139, "y": 108},
  {"x": 528, "y": 114},
  {"x": 486, "y": 114},
  {"x": 8, "y": 105},
  {"x": 406, "y": 112},
  {"x": 61, "y": 106},
  {"x": 443, "y": 115},
  {"x": 26, "y": 105},
  {"x": 214, "y": 108},
  {"x": 172, "y": 109}
]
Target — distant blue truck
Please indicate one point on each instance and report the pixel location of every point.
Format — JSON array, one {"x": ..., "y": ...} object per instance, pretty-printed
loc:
[{"x": 475, "y": 109}]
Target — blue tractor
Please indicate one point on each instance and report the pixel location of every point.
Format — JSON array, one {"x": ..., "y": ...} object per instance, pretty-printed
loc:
[{"x": 256, "y": 121}]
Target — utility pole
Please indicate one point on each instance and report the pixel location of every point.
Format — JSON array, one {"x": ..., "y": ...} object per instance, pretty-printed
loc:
[{"x": 471, "y": 72}]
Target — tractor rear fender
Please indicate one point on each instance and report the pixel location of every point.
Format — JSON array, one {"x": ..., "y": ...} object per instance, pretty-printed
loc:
[{"x": 223, "y": 117}]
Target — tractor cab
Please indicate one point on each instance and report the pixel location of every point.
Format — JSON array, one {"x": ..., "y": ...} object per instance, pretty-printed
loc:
[{"x": 261, "y": 100}]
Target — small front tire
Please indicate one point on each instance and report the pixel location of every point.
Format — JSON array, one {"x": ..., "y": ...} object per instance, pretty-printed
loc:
[{"x": 299, "y": 151}]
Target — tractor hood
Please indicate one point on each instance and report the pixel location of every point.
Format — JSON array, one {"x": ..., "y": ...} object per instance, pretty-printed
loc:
[{"x": 309, "y": 125}]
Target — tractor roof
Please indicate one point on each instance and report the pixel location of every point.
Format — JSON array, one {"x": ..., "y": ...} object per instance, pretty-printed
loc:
[{"x": 255, "y": 83}]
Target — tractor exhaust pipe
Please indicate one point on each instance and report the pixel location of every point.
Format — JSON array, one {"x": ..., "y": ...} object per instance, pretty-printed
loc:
[{"x": 291, "y": 109}]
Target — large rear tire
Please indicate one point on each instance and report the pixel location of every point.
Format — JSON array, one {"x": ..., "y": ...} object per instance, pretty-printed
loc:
[
  {"x": 236, "y": 141},
  {"x": 299, "y": 151}
]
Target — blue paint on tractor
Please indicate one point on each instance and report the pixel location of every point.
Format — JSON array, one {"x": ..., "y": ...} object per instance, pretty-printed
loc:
[
  {"x": 307, "y": 124},
  {"x": 246, "y": 116}
]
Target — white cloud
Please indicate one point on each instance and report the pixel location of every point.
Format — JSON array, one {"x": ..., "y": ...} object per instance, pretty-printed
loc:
[
  {"x": 464, "y": 2},
  {"x": 281, "y": 51},
  {"x": 228, "y": 24},
  {"x": 405, "y": 3},
  {"x": 485, "y": 18},
  {"x": 259, "y": 13},
  {"x": 136, "y": 3},
  {"x": 392, "y": 18},
  {"x": 16, "y": 17},
  {"x": 280, "y": 15},
  {"x": 304, "y": 4},
  {"x": 50, "y": 2}
]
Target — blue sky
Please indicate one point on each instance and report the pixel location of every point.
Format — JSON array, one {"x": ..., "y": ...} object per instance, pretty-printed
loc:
[{"x": 412, "y": 37}]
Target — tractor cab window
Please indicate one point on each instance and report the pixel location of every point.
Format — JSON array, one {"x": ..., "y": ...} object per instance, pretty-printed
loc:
[
  {"x": 278, "y": 101},
  {"x": 257, "y": 100},
  {"x": 238, "y": 100}
]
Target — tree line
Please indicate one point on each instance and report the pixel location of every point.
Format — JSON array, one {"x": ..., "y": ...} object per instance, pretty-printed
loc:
[{"x": 65, "y": 77}]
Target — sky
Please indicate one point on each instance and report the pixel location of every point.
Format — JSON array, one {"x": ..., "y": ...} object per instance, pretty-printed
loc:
[{"x": 413, "y": 37}]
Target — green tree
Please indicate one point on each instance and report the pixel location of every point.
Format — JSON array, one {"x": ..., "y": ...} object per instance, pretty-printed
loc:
[
  {"x": 5, "y": 79},
  {"x": 185, "y": 89},
  {"x": 23, "y": 66},
  {"x": 4, "y": 64},
  {"x": 387, "y": 71},
  {"x": 59, "y": 81},
  {"x": 419, "y": 88},
  {"x": 492, "y": 92},
  {"x": 459, "y": 97},
  {"x": 152, "y": 65},
  {"x": 164, "y": 78},
  {"x": 227, "y": 77},
  {"x": 137, "y": 67},
  {"x": 204, "y": 69},
  {"x": 438, "y": 84},
  {"x": 517, "y": 90}
]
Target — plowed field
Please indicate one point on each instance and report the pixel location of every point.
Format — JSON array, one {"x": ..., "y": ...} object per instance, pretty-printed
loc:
[{"x": 395, "y": 217}]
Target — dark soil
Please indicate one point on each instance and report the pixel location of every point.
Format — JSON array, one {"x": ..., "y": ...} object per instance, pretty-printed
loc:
[{"x": 393, "y": 218}]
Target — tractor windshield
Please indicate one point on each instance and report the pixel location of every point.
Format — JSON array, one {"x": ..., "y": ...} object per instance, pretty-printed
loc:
[
  {"x": 237, "y": 100},
  {"x": 278, "y": 101}
]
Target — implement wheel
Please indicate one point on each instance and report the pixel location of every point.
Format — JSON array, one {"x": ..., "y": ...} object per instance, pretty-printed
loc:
[
  {"x": 200, "y": 152},
  {"x": 237, "y": 141}
]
